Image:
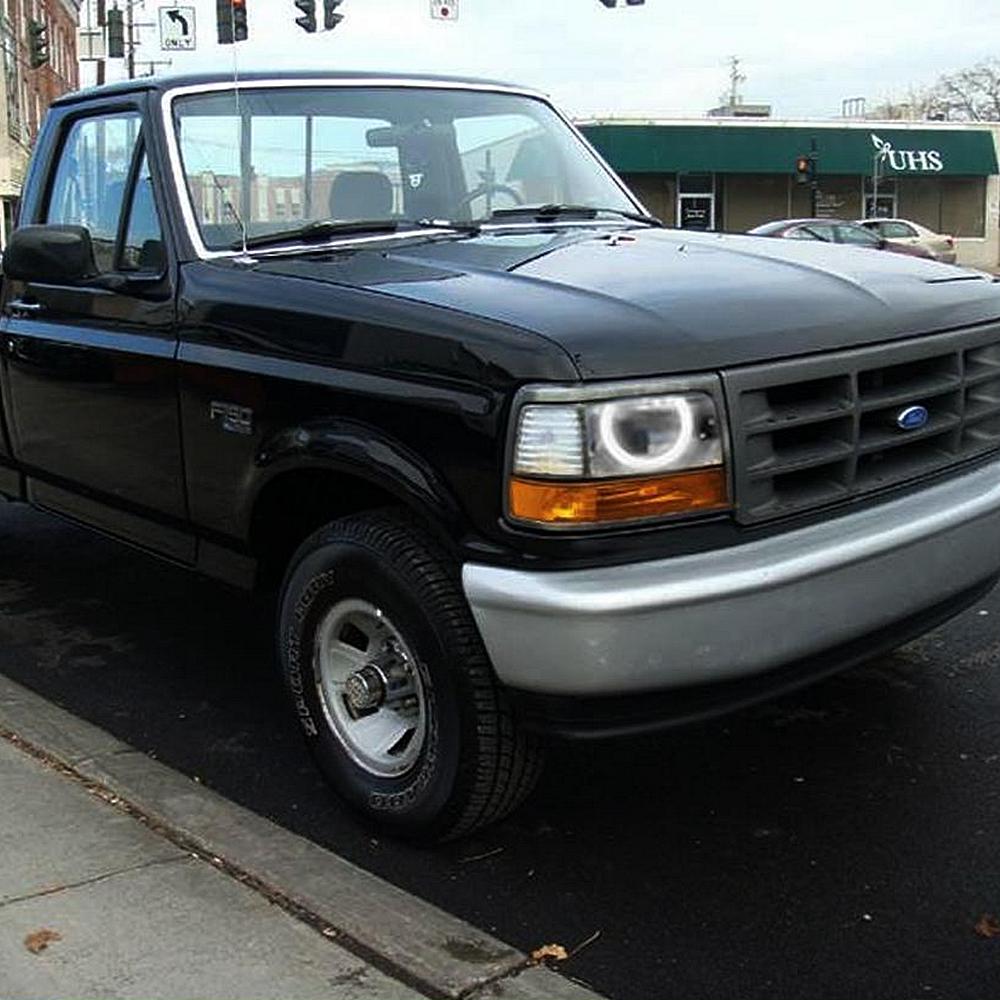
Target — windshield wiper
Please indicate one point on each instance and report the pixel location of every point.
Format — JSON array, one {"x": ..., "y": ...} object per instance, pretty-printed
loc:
[
  {"x": 543, "y": 213},
  {"x": 316, "y": 231}
]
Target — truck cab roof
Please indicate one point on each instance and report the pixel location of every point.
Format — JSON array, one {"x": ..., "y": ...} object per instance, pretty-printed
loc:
[{"x": 162, "y": 84}]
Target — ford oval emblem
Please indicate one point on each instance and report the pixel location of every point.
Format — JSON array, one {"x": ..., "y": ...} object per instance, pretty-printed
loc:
[{"x": 912, "y": 418}]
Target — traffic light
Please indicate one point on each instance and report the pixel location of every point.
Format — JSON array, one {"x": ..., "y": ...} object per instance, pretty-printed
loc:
[
  {"x": 116, "y": 34},
  {"x": 805, "y": 169},
  {"x": 307, "y": 22},
  {"x": 240, "y": 27},
  {"x": 330, "y": 16},
  {"x": 224, "y": 17},
  {"x": 232, "y": 19},
  {"x": 38, "y": 43}
]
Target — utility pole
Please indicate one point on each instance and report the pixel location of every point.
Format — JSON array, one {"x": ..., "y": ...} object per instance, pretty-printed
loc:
[
  {"x": 735, "y": 79},
  {"x": 130, "y": 29},
  {"x": 101, "y": 21},
  {"x": 814, "y": 183}
]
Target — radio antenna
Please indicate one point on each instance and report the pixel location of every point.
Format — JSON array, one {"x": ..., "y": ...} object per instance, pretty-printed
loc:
[{"x": 244, "y": 178}]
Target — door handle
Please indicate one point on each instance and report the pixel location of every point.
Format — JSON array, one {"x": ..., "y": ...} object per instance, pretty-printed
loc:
[{"x": 21, "y": 308}]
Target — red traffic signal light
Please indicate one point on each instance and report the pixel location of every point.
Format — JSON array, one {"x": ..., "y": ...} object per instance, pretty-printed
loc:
[
  {"x": 805, "y": 169},
  {"x": 231, "y": 17}
]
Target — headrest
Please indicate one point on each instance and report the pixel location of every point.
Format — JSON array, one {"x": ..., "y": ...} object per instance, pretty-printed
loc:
[{"x": 361, "y": 194}]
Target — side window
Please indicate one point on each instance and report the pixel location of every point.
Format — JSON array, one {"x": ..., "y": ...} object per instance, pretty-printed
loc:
[
  {"x": 896, "y": 231},
  {"x": 91, "y": 177},
  {"x": 143, "y": 246},
  {"x": 857, "y": 236}
]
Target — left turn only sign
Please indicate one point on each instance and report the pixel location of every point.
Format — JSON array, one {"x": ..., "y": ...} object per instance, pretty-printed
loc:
[{"x": 176, "y": 28}]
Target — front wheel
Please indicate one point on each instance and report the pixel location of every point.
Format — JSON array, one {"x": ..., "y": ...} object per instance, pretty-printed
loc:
[{"x": 392, "y": 685}]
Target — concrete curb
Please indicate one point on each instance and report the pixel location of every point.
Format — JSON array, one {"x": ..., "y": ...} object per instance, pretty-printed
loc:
[{"x": 406, "y": 937}]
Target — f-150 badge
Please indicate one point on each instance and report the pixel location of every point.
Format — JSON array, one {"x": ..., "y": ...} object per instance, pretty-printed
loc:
[{"x": 233, "y": 418}]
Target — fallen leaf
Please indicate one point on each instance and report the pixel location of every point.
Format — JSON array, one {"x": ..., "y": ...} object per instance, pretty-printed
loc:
[
  {"x": 38, "y": 941},
  {"x": 988, "y": 926},
  {"x": 554, "y": 951}
]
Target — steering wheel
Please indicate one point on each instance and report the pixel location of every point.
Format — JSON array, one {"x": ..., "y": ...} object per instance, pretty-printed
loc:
[{"x": 489, "y": 188}]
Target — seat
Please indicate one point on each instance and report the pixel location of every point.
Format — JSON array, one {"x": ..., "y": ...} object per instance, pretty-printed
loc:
[{"x": 361, "y": 194}]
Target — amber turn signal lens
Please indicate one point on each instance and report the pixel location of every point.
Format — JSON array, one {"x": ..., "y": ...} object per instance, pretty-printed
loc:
[{"x": 610, "y": 500}]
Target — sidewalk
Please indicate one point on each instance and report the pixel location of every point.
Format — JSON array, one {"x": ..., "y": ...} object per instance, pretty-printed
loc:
[
  {"x": 138, "y": 917},
  {"x": 121, "y": 879}
]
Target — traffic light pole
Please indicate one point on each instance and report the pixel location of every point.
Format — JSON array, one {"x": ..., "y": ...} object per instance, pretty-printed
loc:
[
  {"x": 130, "y": 35},
  {"x": 814, "y": 183},
  {"x": 101, "y": 21}
]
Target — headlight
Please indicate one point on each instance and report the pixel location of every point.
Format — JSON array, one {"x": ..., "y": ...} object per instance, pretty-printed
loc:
[
  {"x": 617, "y": 459},
  {"x": 650, "y": 434}
]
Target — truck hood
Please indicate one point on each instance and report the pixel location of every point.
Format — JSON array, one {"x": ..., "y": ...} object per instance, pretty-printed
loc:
[{"x": 638, "y": 302}]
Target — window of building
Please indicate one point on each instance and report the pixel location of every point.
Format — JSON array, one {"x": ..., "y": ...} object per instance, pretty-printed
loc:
[
  {"x": 881, "y": 199},
  {"x": 963, "y": 206},
  {"x": 696, "y": 201}
]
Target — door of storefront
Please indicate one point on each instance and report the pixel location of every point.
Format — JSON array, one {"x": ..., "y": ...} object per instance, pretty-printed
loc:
[{"x": 696, "y": 201}]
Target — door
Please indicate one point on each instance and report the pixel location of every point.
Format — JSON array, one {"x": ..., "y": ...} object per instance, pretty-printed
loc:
[
  {"x": 91, "y": 374},
  {"x": 696, "y": 201}
]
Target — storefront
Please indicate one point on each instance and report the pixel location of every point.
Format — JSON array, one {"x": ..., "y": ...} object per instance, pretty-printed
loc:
[{"x": 730, "y": 176}]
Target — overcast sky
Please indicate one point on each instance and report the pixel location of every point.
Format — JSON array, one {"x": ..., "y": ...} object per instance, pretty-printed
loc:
[{"x": 666, "y": 57}]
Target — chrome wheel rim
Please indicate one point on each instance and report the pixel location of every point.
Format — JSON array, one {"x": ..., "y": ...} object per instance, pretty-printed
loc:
[{"x": 370, "y": 687}]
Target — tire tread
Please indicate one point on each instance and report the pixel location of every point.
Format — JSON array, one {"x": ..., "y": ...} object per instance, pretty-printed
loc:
[{"x": 507, "y": 759}]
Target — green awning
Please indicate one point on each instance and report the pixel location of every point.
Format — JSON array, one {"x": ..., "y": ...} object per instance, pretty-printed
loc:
[{"x": 773, "y": 149}]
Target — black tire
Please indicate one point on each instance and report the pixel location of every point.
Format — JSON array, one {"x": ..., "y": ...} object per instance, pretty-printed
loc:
[{"x": 476, "y": 764}]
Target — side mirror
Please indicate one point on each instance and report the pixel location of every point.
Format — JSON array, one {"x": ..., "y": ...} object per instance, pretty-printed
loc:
[{"x": 50, "y": 255}]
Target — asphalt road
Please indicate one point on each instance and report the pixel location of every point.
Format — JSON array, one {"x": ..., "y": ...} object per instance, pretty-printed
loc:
[{"x": 841, "y": 843}]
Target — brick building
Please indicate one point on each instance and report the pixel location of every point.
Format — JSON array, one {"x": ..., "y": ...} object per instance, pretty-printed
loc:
[{"x": 26, "y": 93}]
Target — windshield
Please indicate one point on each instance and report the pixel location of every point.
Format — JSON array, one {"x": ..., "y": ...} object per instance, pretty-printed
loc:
[{"x": 274, "y": 159}]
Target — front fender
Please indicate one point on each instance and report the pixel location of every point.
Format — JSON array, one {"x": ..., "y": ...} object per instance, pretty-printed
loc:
[{"x": 363, "y": 451}]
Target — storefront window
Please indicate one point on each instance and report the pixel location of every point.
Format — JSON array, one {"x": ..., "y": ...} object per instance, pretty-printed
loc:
[
  {"x": 696, "y": 201},
  {"x": 880, "y": 201},
  {"x": 952, "y": 205},
  {"x": 963, "y": 206}
]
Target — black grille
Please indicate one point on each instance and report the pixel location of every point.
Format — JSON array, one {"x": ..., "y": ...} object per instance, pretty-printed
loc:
[{"x": 817, "y": 431}]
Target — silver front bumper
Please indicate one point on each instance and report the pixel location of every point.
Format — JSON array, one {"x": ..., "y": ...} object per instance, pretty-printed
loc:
[{"x": 741, "y": 610}]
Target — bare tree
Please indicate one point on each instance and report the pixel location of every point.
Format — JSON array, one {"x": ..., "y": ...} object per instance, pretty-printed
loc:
[
  {"x": 916, "y": 104},
  {"x": 970, "y": 94}
]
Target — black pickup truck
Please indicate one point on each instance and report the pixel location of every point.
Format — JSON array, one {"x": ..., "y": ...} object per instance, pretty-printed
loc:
[{"x": 516, "y": 458}]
